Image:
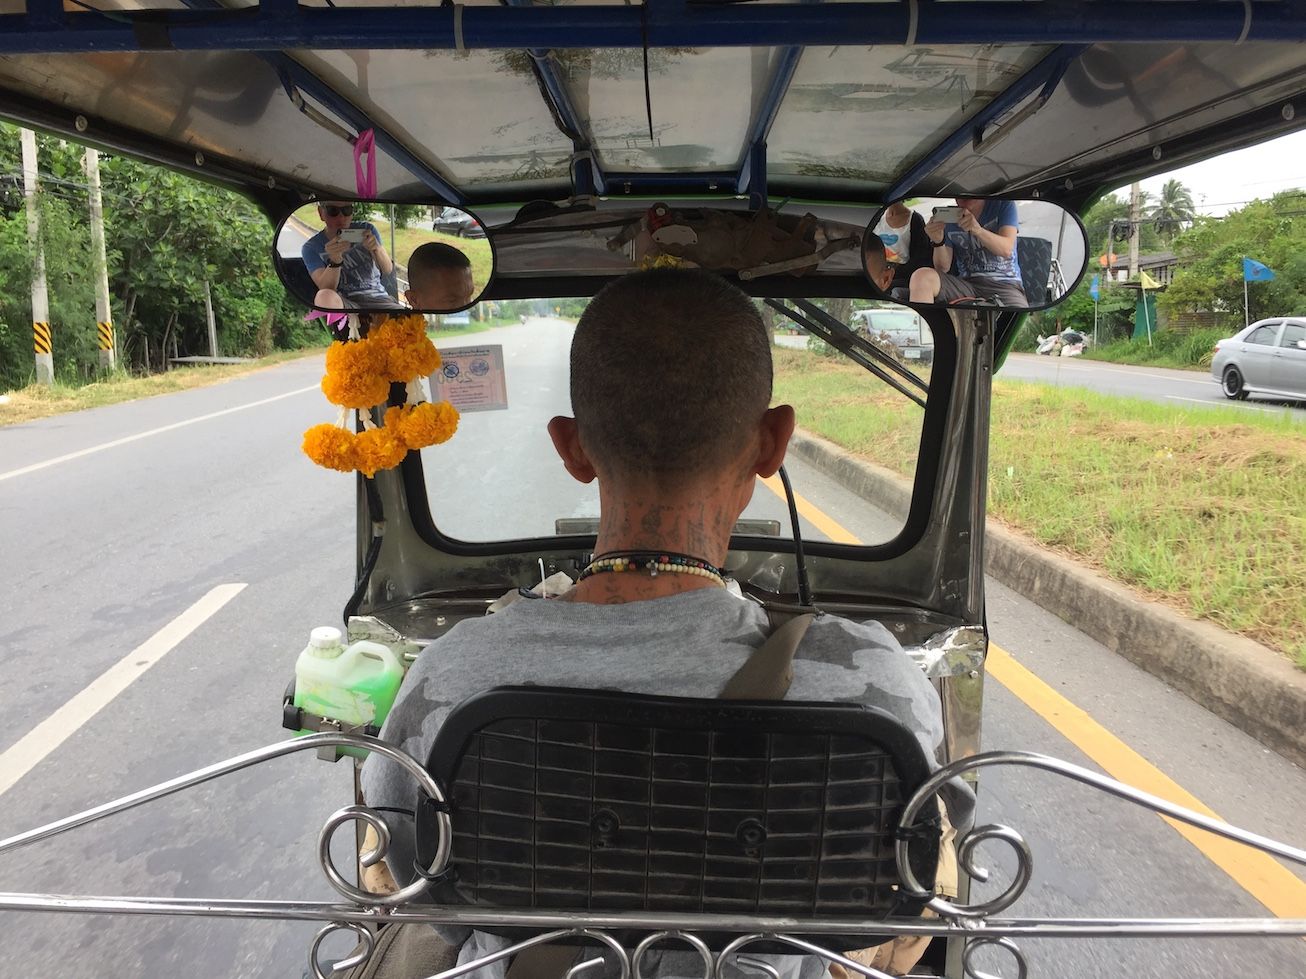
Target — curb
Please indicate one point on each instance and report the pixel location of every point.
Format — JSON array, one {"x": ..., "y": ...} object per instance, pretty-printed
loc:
[{"x": 1235, "y": 678}]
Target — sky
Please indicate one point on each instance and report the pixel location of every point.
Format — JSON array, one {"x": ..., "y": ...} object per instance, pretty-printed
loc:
[{"x": 1225, "y": 183}]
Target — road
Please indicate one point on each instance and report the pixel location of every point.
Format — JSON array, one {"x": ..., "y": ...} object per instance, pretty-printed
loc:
[
  {"x": 1184, "y": 388},
  {"x": 119, "y": 520}
]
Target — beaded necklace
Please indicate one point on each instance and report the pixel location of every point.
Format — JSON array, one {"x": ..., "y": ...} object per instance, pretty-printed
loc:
[{"x": 653, "y": 562}]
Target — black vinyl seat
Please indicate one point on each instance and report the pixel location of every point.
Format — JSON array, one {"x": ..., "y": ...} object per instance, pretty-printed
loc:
[
  {"x": 1035, "y": 257},
  {"x": 597, "y": 801}
]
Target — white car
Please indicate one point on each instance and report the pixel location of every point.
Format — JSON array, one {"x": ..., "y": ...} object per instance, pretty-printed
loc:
[{"x": 1267, "y": 359}]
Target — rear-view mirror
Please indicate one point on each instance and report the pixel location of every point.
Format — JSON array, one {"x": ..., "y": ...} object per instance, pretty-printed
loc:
[
  {"x": 974, "y": 251},
  {"x": 374, "y": 255}
]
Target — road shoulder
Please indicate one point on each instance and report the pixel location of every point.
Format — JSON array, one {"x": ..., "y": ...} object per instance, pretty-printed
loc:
[{"x": 1240, "y": 680}]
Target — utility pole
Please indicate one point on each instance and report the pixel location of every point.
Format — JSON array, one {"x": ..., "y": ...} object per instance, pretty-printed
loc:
[
  {"x": 103, "y": 314},
  {"x": 40, "y": 296},
  {"x": 213, "y": 326},
  {"x": 1135, "y": 224}
]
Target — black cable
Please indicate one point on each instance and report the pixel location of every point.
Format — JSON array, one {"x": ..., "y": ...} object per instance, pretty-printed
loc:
[
  {"x": 648, "y": 93},
  {"x": 395, "y": 809},
  {"x": 376, "y": 514},
  {"x": 804, "y": 587}
]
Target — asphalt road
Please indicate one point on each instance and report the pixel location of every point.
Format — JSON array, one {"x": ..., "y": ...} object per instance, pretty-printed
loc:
[
  {"x": 114, "y": 522},
  {"x": 1183, "y": 388}
]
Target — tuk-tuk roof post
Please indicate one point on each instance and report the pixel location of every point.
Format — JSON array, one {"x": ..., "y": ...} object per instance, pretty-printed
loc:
[
  {"x": 1046, "y": 75},
  {"x": 752, "y": 167},
  {"x": 291, "y": 72}
]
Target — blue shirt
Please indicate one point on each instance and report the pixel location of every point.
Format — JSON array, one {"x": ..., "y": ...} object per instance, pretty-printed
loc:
[
  {"x": 359, "y": 273},
  {"x": 971, "y": 258}
]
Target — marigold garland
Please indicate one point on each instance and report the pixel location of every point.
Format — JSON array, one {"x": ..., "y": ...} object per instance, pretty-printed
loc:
[
  {"x": 330, "y": 447},
  {"x": 359, "y": 373},
  {"x": 429, "y": 424},
  {"x": 376, "y": 449}
]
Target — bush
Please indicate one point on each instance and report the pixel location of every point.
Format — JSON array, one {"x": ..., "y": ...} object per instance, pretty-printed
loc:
[{"x": 1169, "y": 349}]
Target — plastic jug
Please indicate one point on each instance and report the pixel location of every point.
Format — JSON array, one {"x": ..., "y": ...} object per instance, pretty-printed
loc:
[{"x": 355, "y": 685}]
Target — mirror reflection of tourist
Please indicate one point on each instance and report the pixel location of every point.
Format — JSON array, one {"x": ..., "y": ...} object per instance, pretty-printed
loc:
[
  {"x": 439, "y": 278},
  {"x": 906, "y": 244},
  {"x": 974, "y": 255},
  {"x": 347, "y": 261}
]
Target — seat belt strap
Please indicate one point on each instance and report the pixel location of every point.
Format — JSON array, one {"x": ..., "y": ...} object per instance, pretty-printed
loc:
[{"x": 769, "y": 670}]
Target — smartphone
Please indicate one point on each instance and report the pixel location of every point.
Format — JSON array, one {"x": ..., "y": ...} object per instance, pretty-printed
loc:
[
  {"x": 355, "y": 235},
  {"x": 948, "y": 215}
]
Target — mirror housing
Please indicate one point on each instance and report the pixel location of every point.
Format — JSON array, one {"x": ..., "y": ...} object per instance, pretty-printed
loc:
[
  {"x": 974, "y": 252},
  {"x": 336, "y": 255}
]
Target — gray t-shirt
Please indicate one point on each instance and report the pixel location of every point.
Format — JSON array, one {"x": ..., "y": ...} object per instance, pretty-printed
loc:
[{"x": 686, "y": 645}]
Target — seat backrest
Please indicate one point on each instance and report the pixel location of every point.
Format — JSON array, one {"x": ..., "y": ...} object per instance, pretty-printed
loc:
[
  {"x": 1035, "y": 257},
  {"x": 295, "y": 272},
  {"x": 584, "y": 800}
]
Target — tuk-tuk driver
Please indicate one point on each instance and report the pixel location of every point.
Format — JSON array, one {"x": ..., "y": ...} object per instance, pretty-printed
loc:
[{"x": 671, "y": 387}]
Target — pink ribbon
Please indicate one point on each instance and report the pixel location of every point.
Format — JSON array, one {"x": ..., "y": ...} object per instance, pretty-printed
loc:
[
  {"x": 365, "y": 144},
  {"x": 333, "y": 318}
]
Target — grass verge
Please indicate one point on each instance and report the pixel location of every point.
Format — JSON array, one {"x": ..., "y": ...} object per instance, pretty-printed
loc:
[
  {"x": 1185, "y": 351},
  {"x": 1200, "y": 508},
  {"x": 37, "y": 401}
]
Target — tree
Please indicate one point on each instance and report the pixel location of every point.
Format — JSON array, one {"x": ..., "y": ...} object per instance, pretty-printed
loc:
[
  {"x": 1173, "y": 210},
  {"x": 1109, "y": 219},
  {"x": 1210, "y": 277},
  {"x": 166, "y": 235}
]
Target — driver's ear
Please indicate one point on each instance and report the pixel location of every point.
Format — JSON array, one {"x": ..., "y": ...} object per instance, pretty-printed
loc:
[
  {"x": 777, "y": 428},
  {"x": 566, "y": 440},
  {"x": 408, "y": 298}
]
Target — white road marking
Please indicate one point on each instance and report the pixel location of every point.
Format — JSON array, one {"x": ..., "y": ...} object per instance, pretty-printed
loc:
[
  {"x": 144, "y": 435},
  {"x": 30, "y": 750},
  {"x": 1216, "y": 404},
  {"x": 1096, "y": 366}
]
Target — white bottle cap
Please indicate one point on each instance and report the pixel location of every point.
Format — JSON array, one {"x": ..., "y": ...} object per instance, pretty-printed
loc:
[{"x": 324, "y": 637}]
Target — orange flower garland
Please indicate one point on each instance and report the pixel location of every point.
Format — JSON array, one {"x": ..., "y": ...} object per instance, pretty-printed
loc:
[{"x": 359, "y": 373}]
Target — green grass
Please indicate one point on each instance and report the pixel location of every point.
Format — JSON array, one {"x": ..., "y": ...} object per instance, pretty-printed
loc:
[
  {"x": 37, "y": 401},
  {"x": 1201, "y": 508},
  {"x": 1189, "y": 351}
]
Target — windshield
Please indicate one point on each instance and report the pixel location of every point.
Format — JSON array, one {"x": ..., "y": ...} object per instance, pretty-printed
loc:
[{"x": 500, "y": 479}]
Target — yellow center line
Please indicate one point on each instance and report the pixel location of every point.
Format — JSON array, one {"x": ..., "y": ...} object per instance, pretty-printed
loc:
[
  {"x": 812, "y": 514},
  {"x": 1259, "y": 874}
]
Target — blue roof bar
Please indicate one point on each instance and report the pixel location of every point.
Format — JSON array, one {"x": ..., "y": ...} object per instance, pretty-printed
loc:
[
  {"x": 675, "y": 24},
  {"x": 293, "y": 73},
  {"x": 312, "y": 86},
  {"x": 652, "y": 182},
  {"x": 586, "y": 176},
  {"x": 1046, "y": 75},
  {"x": 752, "y": 168}
]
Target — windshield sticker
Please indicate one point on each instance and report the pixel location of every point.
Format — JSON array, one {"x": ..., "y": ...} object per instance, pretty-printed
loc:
[{"x": 472, "y": 378}]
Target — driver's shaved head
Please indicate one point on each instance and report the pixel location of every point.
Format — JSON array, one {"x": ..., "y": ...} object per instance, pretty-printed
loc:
[{"x": 670, "y": 375}]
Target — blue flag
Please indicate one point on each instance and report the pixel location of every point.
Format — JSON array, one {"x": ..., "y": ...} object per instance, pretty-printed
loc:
[
  {"x": 1093, "y": 287},
  {"x": 1254, "y": 271}
]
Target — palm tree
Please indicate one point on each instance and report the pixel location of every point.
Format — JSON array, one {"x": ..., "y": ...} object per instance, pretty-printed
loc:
[{"x": 1173, "y": 209}]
